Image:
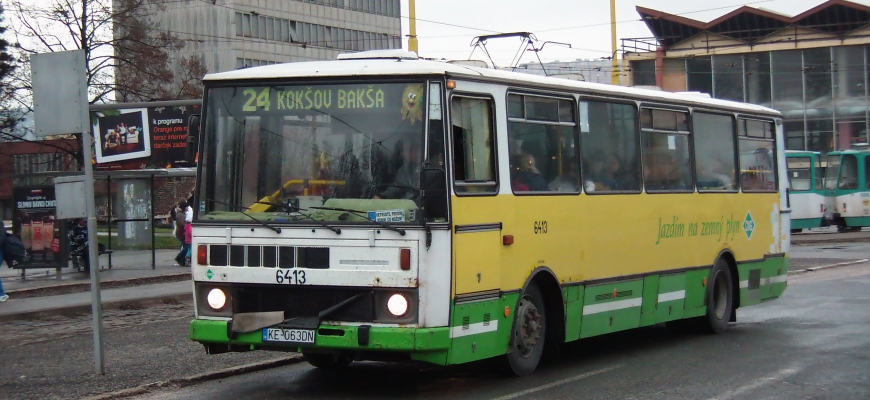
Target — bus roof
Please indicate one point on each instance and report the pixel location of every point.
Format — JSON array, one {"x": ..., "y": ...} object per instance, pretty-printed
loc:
[
  {"x": 802, "y": 153},
  {"x": 405, "y": 67}
]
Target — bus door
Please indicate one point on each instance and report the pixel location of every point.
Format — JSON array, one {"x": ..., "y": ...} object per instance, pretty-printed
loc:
[{"x": 477, "y": 240}]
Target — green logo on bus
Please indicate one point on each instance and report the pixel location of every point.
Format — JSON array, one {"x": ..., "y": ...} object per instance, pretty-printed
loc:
[
  {"x": 209, "y": 274},
  {"x": 748, "y": 225}
]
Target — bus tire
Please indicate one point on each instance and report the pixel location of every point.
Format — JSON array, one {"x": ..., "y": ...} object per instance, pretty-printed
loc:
[
  {"x": 328, "y": 360},
  {"x": 526, "y": 346},
  {"x": 720, "y": 299}
]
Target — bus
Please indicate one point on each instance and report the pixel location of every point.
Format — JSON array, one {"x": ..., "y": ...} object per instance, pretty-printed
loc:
[
  {"x": 806, "y": 190},
  {"x": 847, "y": 188},
  {"x": 385, "y": 207}
]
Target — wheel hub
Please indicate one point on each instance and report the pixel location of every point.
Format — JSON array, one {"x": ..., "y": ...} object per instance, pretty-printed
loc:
[{"x": 528, "y": 331}]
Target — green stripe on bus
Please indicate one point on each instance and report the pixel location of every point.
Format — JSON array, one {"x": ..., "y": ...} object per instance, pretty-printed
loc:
[
  {"x": 611, "y": 307},
  {"x": 806, "y": 223},
  {"x": 758, "y": 281}
]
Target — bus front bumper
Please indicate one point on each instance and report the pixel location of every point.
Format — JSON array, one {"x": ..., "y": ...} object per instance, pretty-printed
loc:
[{"x": 333, "y": 337}]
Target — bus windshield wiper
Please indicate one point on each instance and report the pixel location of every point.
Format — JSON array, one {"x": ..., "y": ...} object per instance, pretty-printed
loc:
[
  {"x": 240, "y": 208},
  {"x": 296, "y": 210},
  {"x": 364, "y": 215}
]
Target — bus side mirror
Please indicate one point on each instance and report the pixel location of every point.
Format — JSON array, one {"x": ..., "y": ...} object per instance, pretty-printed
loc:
[
  {"x": 191, "y": 147},
  {"x": 434, "y": 186}
]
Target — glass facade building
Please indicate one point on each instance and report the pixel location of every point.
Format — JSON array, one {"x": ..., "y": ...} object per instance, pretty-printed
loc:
[
  {"x": 813, "y": 67},
  {"x": 821, "y": 92}
]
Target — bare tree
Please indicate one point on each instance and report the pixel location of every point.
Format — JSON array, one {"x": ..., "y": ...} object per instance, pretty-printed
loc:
[
  {"x": 10, "y": 115},
  {"x": 128, "y": 57}
]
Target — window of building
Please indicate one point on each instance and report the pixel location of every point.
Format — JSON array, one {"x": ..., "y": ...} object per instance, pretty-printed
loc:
[
  {"x": 757, "y": 155},
  {"x": 239, "y": 31},
  {"x": 246, "y": 25},
  {"x": 667, "y": 162},
  {"x": 714, "y": 151},
  {"x": 728, "y": 77},
  {"x": 643, "y": 73},
  {"x": 542, "y": 144},
  {"x": 757, "y": 76},
  {"x": 473, "y": 138},
  {"x": 699, "y": 75},
  {"x": 609, "y": 147}
]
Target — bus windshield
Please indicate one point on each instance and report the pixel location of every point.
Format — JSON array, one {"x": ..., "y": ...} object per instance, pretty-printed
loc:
[
  {"x": 831, "y": 172},
  {"x": 279, "y": 152}
]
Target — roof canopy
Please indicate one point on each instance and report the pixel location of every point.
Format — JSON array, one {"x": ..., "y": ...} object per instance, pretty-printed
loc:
[{"x": 836, "y": 17}]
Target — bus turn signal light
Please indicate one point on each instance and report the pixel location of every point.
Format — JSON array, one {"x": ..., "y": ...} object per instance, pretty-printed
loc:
[
  {"x": 405, "y": 259},
  {"x": 507, "y": 240},
  {"x": 202, "y": 255}
]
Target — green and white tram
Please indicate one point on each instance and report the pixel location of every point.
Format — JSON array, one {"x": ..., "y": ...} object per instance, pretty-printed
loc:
[
  {"x": 806, "y": 191},
  {"x": 847, "y": 187}
]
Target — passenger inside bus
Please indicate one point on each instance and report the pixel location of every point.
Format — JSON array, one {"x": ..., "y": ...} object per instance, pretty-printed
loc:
[
  {"x": 526, "y": 177},
  {"x": 567, "y": 181},
  {"x": 663, "y": 173}
]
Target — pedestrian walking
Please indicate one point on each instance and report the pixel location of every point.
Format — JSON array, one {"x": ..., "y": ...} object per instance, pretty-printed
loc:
[
  {"x": 179, "y": 230},
  {"x": 3, "y": 295}
]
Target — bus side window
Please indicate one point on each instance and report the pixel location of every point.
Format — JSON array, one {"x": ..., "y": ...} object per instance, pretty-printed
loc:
[
  {"x": 608, "y": 143},
  {"x": 541, "y": 141},
  {"x": 667, "y": 162},
  {"x": 473, "y": 145},
  {"x": 714, "y": 151},
  {"x": 757, "y": 156}
]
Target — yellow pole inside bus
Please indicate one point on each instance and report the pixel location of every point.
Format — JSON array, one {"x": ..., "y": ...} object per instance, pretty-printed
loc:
[
  {"x": 412, "y": 27},
  {"x": 614, "y": 73}
]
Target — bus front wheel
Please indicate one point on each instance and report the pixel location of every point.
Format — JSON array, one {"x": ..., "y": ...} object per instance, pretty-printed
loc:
[
  {"x": 328, "y": 360},
  {"x": 527, "y": 341}
]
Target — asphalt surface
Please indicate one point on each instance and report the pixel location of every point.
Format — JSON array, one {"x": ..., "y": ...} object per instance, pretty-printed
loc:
[
  {"x": 52, "y": 358},
  {"x": 813, "y": 343}
]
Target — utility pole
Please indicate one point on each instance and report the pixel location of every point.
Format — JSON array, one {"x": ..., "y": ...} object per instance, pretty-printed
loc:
[
  {"x": 412, "y": 27},
  {"x": 614, "y": 73}
]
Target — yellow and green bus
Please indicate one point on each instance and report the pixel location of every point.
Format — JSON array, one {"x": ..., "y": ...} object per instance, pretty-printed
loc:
[{"x": 386, "y": 207}]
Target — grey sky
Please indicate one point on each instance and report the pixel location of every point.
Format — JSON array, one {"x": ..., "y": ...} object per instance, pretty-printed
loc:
[{"x": 543, "y": 17}]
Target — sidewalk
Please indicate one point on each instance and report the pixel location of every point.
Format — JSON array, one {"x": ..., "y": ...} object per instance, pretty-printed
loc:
[
  {"x": 33, "y": 307},
  {"x": 126, "y": 265}
]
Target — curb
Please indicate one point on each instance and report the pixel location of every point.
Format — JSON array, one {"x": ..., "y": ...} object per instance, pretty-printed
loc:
[
  {"x": 205, "y": 376},
  {"x": 829, "y": 266},
  {"x": 111, "y": 305},
  {"x": 829, "y": 241},
  {"x": 84, "y": 286}
]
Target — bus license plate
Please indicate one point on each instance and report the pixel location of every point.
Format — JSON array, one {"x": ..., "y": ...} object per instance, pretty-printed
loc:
[{"x": 288, "y": 335}]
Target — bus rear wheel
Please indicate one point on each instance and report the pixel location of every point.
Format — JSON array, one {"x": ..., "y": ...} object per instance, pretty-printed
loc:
[
  {"x": 720, "y": 299},
  {"x": 530, "y": 329},
  {"x": 328, "y": 360}
]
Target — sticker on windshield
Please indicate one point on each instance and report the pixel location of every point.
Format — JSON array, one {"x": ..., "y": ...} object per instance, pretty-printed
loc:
[{"x": 387, "y": 215}]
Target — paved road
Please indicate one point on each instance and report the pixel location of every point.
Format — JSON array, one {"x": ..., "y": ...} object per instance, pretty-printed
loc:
[{"x": 812, "y": 343}]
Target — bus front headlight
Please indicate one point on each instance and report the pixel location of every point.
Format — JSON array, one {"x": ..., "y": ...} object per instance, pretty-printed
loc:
[
  {"x": 217, "y": 299},
  {"x": 397, "y": 305}
]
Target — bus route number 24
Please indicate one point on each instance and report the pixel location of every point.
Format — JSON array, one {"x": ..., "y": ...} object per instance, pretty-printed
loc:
[
  {"x": 540, "y": 227},
  {"x": 290, "y": 276}
]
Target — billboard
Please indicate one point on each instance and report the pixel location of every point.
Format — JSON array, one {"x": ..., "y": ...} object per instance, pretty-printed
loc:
[
  {"x": 36, "y": 225},
  {"x": 141, "y": 138}
]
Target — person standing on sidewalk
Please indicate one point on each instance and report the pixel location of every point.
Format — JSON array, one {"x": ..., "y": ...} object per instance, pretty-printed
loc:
[
  {"x": 3, "y": 295},
  {"x": 181, "y": 220}
]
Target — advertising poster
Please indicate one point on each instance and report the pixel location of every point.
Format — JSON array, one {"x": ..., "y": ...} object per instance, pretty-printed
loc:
[
  {"x": 35, "y": 224},
  {"x": 122, "y": 137},
  {"x": 142, "y": 138}
]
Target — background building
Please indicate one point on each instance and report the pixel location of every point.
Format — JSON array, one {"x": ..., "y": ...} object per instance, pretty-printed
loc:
[
  {"x": 232, "y": 34},
  {"x": 812, "y": 67}
]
